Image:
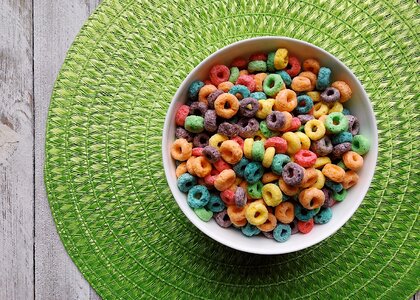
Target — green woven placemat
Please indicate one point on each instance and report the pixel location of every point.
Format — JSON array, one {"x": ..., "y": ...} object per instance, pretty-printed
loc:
[{"x": 104, "y": 175}]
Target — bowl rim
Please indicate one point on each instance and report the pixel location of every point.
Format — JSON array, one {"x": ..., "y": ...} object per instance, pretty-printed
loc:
[{"x": 201, "y": 225}]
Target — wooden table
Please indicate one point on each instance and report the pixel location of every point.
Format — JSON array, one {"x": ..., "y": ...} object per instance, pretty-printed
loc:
[{"x": 34, "y": 38}]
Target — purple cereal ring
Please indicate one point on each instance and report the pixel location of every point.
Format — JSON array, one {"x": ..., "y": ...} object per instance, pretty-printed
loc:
[
  {"x": 211, "y": 153},
  {"x": 198, "y": 109},
  {"x": 292, "y": 174},
  {"x": 222, "y": 219},
  {"x": 305, "y": 118},
  {"x": 240, "y": 197},
  {"x": 330, "y": 95},
  {"x": 228, "y": 129},
  {"x": 340, "y": 149},
  {"x": 245, "y": 111},
  {"x": 201, "y": 140},
  {"x": 268, "y": 235},
  {"x": 182, "y": 133},
  {"x": 329, "y": 201},
  {"x": 248, "y": 127},
  {"x": 275, "y": 120},
  {"x": 322, "y": 147},
  {"x": 294, "y": 227},
  {"x": 210, "y": 121},
  {"x": 354, "y": 125},
  {"x": 212, "y": 97}
]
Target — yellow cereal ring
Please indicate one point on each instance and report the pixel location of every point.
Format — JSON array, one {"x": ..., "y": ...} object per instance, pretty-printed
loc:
[
  {"x": 350, "y": 179},
  {"x": 301, "y": 84},
  {"x": 293, "y": 142},
  {"x": 181, "y": 169},
  {"x": 269, "y": 224},
  {"x": 259, "y": 78},
  {"x": 265, "y": 108},
  {"x": 315, "y": 96},
  {"x": 320, "y": 109},
  {"x": 288, "y": 189},
  {"x": 231, "y": 152},
  {"x": 270, "y": 177},
  {"x": 201, "y": 166},
  {"x": 286, "y": 100},
  {"x": 321, "y": 161},
  {"x": 311, "y": 76},
  {"x": 281, "y": 58},
  {"x": 320, "y": 180},
  {"x": 225, "y": 86},
  {"x": 311, "y": 198},
  {"x": 271, "y": 194},
  {"x": 216, "y": 140},
  {"x": 181, "y": 150},
  {"x": 310, "y": 177},
  {"x": 353, "y": 160},
  {"x": 333, "y": 172},
  {"x": 248, "y": 143},
  {"x": 268, "y": 157},
  {"x": 304, "y": 140},
  {"x": 190, "y": 168},
  {"x": 336, "y": 107},
  {"x": 256, "y": 213},
  {"x": 285, "y": 212},
  {"x": 224, "y": 180},
  {"x": 344, "y": 89},
  {"x": 315, "y": 129}
]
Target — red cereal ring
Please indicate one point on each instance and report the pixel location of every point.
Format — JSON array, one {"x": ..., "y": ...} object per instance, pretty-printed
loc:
[
  {"x": 181, "y": 115},
  {"x": 305, "y": 158},
  {"x": 209, "y": 179},
  {"x": 295, "y": 124},
  {"x": 198, "y": 151},
  {"x": 219, "y": 74},
  {"x": 248, "y": 81},
  {"x": 239, "y": 140},
  {"x": 207, "y": 82},
  {"x": 258, "y": 56},
  {"x": 228, "y": 197},
  {"x": 293, "y": 66},
  {"x": 240, "y": 63},
  {"x": 214, "y": 172},
  {"x": 305, "y": 227},
  {"x": 279, "y": 144},
  {"x": 221, "y": 165}
]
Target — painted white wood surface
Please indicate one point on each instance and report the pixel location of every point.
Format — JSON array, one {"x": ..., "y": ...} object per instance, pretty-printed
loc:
[{"x": 34, "y": 39}]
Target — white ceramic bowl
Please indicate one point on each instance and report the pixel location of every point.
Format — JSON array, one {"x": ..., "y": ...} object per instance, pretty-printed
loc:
[{"x": 359, "y": 106}]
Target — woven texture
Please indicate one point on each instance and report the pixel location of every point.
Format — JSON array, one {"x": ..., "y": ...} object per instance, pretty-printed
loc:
[{"x": 105, "y": 179}]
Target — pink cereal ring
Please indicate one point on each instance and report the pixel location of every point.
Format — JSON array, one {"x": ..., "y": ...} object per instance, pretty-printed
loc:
[
  {"x": 219, "y": 74},
  {"x": 305, "y": 158},
  {"x": 209, "y": 179},
  {"x": 295, "y": 124},
  {"x": 221, "y": 165},
  {"x": 198, "y": 151},
  {"x": 181, "y": 115},
  {"x": 294, "y": 68},
  {"x": 239, "y": 140},
  {"x": 228, "y": 197},
  {"x": 258, "y": 56},
  {"x": 279, "y": 144},
  {"x": 248, "y": 81},
  {"x": 240, "y": 63}
]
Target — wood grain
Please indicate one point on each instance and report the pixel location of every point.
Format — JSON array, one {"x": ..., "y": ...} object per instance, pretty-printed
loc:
[
  {"x": 16, "y": 150},
  {"x": 56, "y": 24}
]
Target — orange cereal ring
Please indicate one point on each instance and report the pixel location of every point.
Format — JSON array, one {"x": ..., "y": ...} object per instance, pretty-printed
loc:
[
  {"x": 311, "y": 198},
  {"x": 350, "y": 179},
  {"x": 288, "y": 189},
  {"x": 190, "y": 168},
  {"x": 270, "y": 177},
  {"x": 225, "y": 86},
  {"x": 236, "y": 213},
  {"x": 202, "y": 167},
  {"x": 311, "y": 76},
  {"x": 231, "y": 152},
  {"x": 301, "y": 84},
  {"x": 181, "y": 150},
  {"x": 204, "y": 92},
  {"x": 285, "y": 212},
  {"x": 181, "y": 169},
  {"x": 353, "y": 160},
  {"x": 243, "y": 72},
  {"x": 225, "y": 179},
  {"x": 344, "y": 89},
  {"x": 288, "y": 119},
  {"x": 311, "y": 65},
  {"x": 240, "y": 223},
  {"x": 333, "y": 172},
  {"x": 269, "y": 224},
  {"x": 259, "y": 78},
  {"x": 226, "y": 105},
  {"x": 310, "y": 177},
  {"x": 286, "y": 100}
]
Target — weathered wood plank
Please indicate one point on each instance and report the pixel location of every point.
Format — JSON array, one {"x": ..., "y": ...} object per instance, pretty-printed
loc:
[
  {"x": 56, "y": 24},
  {"x": 16, "y": 151}
]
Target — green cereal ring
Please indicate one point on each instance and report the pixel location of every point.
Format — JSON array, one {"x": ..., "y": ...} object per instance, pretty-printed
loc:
[
  {"x": 265, "y": 131},
  {"x": 302, "y": 128},
  {"x": 270, "y": 61},
  {"x": 342, "y": 165},
  {"x": 360, "y": 144},
  {"x": 204, "y": 214},
  {"x": 272, "y": 84},
  {"x": 234, "y": 74},
  {"x": 340, "y": 196},
  {"x": 257, "y": 66},
  {"x": 336, "y": 122},
  {"x": 279, "y": 161},
  {"x": 258, "y": 151},
  {"x": 255, "y": 190},
  {"x": 194, "y": 124}
]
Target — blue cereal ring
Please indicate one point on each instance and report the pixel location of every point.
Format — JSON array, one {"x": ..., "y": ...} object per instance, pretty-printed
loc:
[
  {"x": 258, "y": 95},
  {"x": 215, "y": 204},
  {"x": 239, "y": 168},
  {"x": 279, "y": 161},
  {"x": 304, "y": 104},
  {"x": 250, "y": 230},
  {"x": 282, "y": 233},
  {"x": 304, "y": 214},
  {"x": 198, "y": 196},
  {"x": 334, "y": 186},
  {"x": 324, "y": 216},
  {"x": 194, "y": 88},
  {"x": 185, "y": 182},
  {"x": 286, "y": 77},
  {"x": 253, "y": 172},
  {"x": 342, "y": 137},
  {"x": 240, "y": 89},
  {"x": 346, "y": 112},
  {"x": 324, "y": 78}
]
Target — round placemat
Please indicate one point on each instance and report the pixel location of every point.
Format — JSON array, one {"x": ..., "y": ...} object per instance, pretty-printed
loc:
[{"x": 104, "y": 174}]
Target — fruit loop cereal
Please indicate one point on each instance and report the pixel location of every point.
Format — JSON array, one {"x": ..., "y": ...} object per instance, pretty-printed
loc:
[{"x": 265, "y": 145}]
